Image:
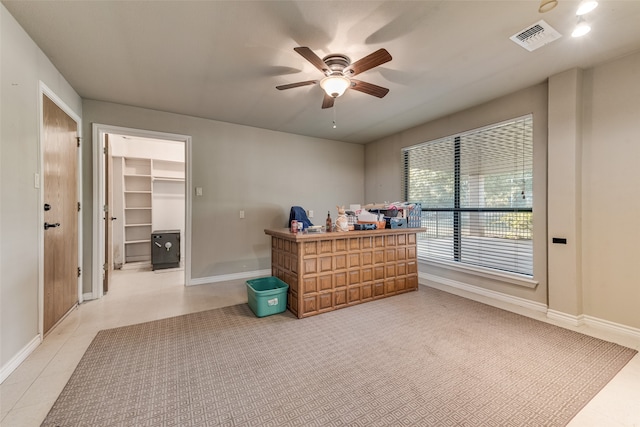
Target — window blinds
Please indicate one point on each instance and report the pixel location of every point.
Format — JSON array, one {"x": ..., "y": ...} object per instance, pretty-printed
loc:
[{"x": 476, "y": 191}]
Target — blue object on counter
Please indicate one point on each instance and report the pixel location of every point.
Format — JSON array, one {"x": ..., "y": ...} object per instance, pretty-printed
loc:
[
  {"x": 300, "y": 215},
  {"x": 398, "y": 222}
]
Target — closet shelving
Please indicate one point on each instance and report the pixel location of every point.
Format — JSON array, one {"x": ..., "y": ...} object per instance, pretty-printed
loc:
[
  {"x": 167, "y": 170},
  {"x": 139, "y": 175},
  {"x": 138, "y": 193}
]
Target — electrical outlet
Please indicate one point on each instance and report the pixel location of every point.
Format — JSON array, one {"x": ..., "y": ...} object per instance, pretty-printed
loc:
[
  {"x": 198, "y": 191},
  {"x": 310, "y": 214},
  {"x": 241, "y": 214}
]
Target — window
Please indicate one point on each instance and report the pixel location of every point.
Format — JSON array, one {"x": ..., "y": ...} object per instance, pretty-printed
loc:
[{"x": 476, "y": 194}]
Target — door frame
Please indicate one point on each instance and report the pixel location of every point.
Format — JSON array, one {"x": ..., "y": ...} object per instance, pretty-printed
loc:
[
  {"x": 44, "y": 90},
  {"x": 99, "y": 131}
]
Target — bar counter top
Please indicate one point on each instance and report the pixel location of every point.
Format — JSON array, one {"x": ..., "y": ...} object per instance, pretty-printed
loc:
[
  {"x": 330, "y": 271},
  {"x": 286, "y": 233}
]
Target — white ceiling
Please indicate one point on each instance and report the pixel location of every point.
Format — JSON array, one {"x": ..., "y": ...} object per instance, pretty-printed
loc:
[{"x": 221, "y": 60}]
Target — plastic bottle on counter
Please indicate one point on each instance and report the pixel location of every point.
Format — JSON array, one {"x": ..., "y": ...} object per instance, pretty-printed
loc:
[{"x": 329, "y": 222}]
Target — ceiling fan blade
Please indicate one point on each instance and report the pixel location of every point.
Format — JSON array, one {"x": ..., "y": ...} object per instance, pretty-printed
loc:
[
  {"x": 327, "y": 102},
  {"x": 370, "y": 61},
  {"x": 369, "y": 88},
  {"x": 313, "y": 58},
  {"x": 292, "y": 85}
]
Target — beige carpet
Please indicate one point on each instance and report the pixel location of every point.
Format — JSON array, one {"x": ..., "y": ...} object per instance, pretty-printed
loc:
[{"x": 425, "y": 358}]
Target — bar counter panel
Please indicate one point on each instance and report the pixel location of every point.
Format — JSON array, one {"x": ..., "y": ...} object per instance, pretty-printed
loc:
[{"x": 329, "y": 271}]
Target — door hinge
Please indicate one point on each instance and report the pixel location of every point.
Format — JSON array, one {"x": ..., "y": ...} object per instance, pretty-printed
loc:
[
  {"x": 78, "y": 140},
  {"x": 79, "y": 206},
  {"x": 104, "y": 150},
  {"x": 105, "y": 208},
  {"x": 79, "y": 271},
  {"x": 105, "y": 266}
]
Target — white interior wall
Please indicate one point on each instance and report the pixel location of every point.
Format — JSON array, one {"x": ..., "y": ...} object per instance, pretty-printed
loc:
[{"x": 168, "y": 208}]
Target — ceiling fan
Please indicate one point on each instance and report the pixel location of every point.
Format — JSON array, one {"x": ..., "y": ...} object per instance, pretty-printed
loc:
[{"x": 338, "y": 71}]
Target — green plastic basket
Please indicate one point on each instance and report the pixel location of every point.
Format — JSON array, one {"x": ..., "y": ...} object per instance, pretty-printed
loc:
[{"x": 267, "y": 296}]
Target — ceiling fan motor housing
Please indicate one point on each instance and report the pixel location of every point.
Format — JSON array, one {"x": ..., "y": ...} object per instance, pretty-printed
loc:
[{"x": 336, "y": 62}]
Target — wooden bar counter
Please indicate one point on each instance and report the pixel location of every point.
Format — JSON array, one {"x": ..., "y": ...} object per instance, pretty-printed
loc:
[{"x": 328, "y": 271}]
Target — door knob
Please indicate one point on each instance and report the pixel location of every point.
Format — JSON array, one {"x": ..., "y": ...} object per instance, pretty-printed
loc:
[
  {"x": 47, "y": 207},
  {"x": 113, "y": 218},
  {"x": 48, "y": 226}
]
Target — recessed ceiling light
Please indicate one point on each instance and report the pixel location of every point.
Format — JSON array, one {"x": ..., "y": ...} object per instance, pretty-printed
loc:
[
  {"x": 586, "y": 6},
  {"x": 581, "y": 29}
]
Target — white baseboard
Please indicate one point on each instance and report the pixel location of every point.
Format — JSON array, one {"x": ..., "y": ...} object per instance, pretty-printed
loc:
[
  {"x": 88, "y": 296},
  {"x": 19, "y": 358},
  {"x": 227, "y": 277},
  {"x": 613, "y": 327},
  {"x": 444, "y": 284},
  {"x": 566, "y": 318},
  {"x": 451, "y": 286}
]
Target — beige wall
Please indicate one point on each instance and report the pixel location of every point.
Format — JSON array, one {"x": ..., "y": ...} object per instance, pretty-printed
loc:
[
  {"x": 383, "y": 176},
  {"x": 259, "y": 171},
  {"x": 564, "y": 194},
  {"x": 593, "y": 152},
  {"x": 23, "y": 66},
  {"x": 611, "y": 194}
]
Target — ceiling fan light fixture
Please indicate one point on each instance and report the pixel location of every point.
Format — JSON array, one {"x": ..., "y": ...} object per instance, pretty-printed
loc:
[
  {"x": 586, "y": 6},
  {"x": 547, "y": 5},
  {"x": 335, "y": 86}
]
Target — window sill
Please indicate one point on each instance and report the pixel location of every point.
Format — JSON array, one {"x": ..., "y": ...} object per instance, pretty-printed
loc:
[{"x": 511, "y": 278}]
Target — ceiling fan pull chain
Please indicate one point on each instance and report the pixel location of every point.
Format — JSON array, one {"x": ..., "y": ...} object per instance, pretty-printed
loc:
[{"x": 334, "y": 116}]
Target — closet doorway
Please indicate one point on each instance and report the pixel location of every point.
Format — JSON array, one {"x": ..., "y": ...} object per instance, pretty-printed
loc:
[{"x": 143, "y": 186}]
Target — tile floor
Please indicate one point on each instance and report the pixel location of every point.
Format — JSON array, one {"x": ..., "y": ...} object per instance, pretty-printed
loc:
[{"x": 139, "y": 296}]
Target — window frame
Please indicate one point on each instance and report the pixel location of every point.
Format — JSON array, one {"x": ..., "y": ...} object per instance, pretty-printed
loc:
[{"x": 495, "y": 273}]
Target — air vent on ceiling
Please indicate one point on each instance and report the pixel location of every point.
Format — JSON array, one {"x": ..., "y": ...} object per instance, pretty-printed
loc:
[{"x": 535, "y": 36}]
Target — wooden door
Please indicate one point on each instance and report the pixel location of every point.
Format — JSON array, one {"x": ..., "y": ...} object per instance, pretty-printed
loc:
[{"x": 60, "y": 186}]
